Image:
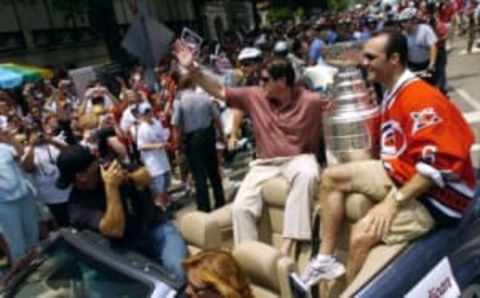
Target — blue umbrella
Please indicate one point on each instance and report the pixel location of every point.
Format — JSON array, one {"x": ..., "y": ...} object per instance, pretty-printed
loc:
[{"x": 9, "y": 79}]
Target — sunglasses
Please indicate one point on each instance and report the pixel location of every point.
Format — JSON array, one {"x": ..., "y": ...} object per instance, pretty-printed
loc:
[{"x": 248, "y": 62}]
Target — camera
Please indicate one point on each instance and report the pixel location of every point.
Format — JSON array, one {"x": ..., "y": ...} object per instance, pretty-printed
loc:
[
  {"x": 41, "y": 137},
  {"x": 107, "y": 161}
]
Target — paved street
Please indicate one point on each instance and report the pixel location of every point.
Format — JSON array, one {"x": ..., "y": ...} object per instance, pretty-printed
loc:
[
  {"x": 463, "y": 73},
  {"x": 464, "y": 80}
]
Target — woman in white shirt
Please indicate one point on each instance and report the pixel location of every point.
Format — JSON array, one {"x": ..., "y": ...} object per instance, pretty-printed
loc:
[{"x": 40, "y": 161}]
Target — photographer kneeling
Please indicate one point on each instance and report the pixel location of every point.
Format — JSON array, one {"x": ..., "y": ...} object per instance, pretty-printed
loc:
[{"x": 105, "y": 198}]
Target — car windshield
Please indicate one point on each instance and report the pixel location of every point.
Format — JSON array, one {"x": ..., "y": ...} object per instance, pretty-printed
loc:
[{"x": 66, "y": 272}]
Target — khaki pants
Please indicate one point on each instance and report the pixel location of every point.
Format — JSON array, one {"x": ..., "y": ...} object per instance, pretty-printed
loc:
[
  {"x": 412, "y": 219},
  {"x": 302, "y": 173}
]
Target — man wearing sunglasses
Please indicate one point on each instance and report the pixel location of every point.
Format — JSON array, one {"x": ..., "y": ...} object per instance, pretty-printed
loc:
[
  {"x": 287, "y": 123},
  {"x": 250, "y": 59}
]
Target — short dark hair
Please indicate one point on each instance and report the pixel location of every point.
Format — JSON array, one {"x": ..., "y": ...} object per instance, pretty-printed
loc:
[
  {"x": 280, "y": 67},
  {"x": 397, "y": 43}
]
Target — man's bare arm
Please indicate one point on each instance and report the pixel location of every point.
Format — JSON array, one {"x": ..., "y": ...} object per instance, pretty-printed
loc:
[
  {"x": 186, "y": 59},
  {"x": 433, "y": 57},
  {"x": 27, "y": 160},
  {"x": 415, "y": 187},
  {"x": 112, "y": 223},
  {"x": 236, "y": 129},
  {"x": 209, "y": 84}
]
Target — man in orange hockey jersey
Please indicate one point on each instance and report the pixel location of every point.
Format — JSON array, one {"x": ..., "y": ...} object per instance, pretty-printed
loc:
[{"x": 424, "y": 178}]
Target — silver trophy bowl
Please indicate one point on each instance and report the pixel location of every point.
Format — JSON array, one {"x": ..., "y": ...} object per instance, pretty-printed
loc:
[{"x": 351, "y": 128}]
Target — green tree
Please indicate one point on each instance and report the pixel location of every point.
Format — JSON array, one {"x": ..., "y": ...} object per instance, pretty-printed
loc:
[
  {"x": 279, "y": 14},
  {"x": 337, "y": 5}
]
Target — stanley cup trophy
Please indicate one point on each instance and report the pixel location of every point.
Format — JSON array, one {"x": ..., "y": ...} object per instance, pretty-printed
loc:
[{"x": 351, "y": 127}]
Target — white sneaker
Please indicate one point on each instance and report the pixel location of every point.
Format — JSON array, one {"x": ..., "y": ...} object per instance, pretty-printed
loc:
[{"x": 322, "y": 267}]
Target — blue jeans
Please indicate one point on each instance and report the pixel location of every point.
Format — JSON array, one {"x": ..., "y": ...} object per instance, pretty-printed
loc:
[
  {"x": 160, "y": 183},
  {"x": 19, "y": 225},
  {"x": 165, "y": 245},
  {"x": 441, "y": 69}
]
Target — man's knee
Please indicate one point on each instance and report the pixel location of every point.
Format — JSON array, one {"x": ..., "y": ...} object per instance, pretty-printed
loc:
[
  {"x": 327, "y": 180},
  {"x": 337, "y": 178}
]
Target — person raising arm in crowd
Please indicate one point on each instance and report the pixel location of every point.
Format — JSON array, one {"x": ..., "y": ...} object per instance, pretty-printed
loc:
[{"x": 287, "y": 122}]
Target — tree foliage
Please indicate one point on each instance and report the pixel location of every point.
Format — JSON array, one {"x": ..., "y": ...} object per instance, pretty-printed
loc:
[
  {"x": 279, "y": 14},
  {"x": 337, "y": 5}
]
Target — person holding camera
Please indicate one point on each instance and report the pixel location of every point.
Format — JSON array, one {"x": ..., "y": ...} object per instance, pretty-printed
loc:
[
  {"x": 99, "y": 96},
  {"x": 40, "y": 161},
  {"x": 118, "y": 204}
]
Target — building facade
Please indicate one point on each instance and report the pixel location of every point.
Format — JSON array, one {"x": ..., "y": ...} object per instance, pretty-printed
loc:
[{"x": 30, "y": 27}]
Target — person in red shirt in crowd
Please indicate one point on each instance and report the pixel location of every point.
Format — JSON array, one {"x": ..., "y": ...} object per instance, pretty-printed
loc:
[
  {"x": 446, "y": 14},
  {"x": 441, "y": 30},
  {"x": 458, "y": 6},
  {"x": 120, "y": 106},
  {"x": 169, "y": 88},
  {"x": 471, "y": 26}
]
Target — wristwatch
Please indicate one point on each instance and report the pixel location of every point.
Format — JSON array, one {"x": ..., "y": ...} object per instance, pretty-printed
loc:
[{"x": 398, "y": 197}]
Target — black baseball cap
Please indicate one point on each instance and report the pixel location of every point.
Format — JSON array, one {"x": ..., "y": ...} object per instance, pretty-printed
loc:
[{"x": 72, "y": 161}]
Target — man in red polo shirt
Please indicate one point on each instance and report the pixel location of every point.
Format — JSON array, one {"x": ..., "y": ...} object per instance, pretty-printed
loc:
[{"x": 287, "y": 122}]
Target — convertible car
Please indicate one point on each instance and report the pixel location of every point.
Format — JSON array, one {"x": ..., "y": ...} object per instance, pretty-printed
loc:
[{"x": 83, "y": 264}]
